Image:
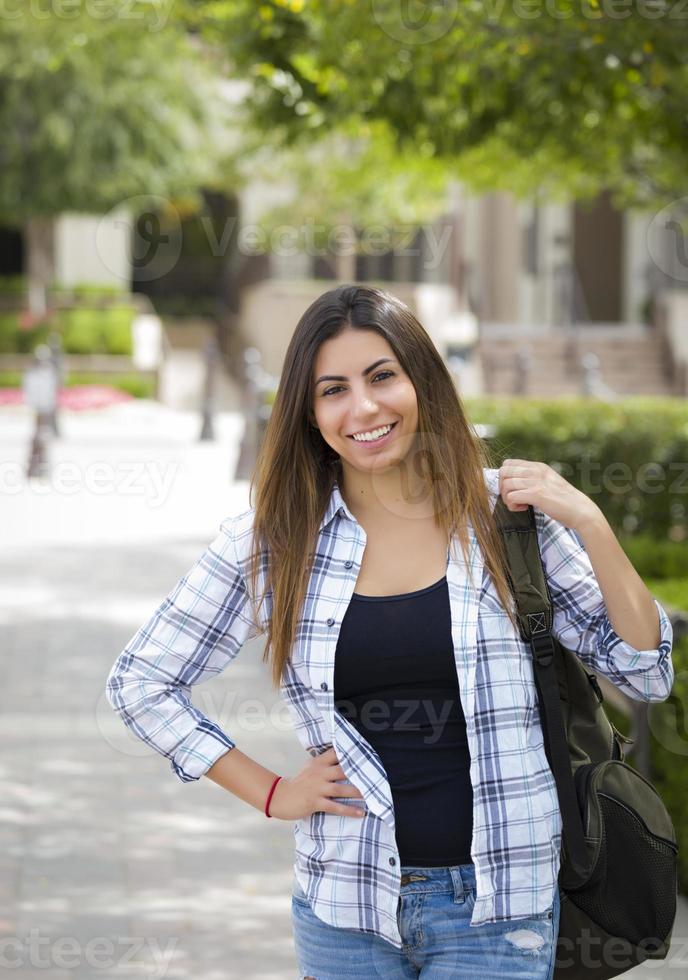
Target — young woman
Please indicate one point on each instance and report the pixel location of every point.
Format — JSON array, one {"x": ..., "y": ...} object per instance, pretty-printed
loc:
[{"x": 427, "y": 827}]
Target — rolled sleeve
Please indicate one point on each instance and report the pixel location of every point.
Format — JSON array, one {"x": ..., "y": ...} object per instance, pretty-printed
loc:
[
  {"x": 192, "y": 636},
  {"x": 581, "y": 622},
  {"x": 646, "y": 675},
  {"x": 199, "y": 751}
]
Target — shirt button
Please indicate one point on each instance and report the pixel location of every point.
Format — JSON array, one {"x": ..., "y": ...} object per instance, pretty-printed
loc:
[
  {"x": 330, "y": 622},
  {"x": 348, "y": 564},
  {"x": 392, "y": 861},
  {"x": 323, "y": 686}
]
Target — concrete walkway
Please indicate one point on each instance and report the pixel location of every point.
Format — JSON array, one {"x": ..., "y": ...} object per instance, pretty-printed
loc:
[{"x": 110, "y": 866}]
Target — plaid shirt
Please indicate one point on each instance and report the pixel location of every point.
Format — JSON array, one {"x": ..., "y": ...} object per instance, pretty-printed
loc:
[{"x": 350, "y": 869}]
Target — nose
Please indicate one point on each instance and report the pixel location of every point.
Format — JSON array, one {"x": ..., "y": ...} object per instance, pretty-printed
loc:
[{"x": 365, "y": 404}]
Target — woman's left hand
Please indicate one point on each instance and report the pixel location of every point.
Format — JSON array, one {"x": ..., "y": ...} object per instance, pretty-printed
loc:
[{"x": 524, "y": 481}]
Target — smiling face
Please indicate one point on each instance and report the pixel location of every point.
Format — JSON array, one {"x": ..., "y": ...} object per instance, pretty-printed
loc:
[{"x": 361, "y": 389}]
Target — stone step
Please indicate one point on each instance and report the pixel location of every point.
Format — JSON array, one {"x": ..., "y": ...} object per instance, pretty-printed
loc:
[{"x": 630, "y": 363}]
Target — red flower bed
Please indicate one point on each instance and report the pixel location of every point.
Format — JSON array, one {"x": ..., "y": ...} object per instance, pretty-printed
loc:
[{"x": 77, "y": 398}]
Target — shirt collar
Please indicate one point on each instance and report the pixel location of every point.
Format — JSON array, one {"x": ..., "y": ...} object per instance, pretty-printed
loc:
[{"x": 336, "y": 504}]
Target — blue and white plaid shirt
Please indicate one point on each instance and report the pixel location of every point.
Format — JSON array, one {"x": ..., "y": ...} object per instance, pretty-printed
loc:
[{"x": 350, "y": 869}]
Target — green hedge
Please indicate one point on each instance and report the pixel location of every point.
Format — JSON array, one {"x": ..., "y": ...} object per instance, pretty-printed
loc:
[
  {"x": 138, "y": 385},
  {"x": 669, "y": 753},
  {"x": 84, "y": 330},
  {"x": 657, "y": 558},
  {"x": 92, "y": 292},
  {"x": 630, "y": 456},
  {"x": 18, "y": 286},
  {"x": 15, "y": 340},
  {"x": 13, "y": 285},
  {"x": 673, "y": 590},
  {"x": 87, "y": 330}
]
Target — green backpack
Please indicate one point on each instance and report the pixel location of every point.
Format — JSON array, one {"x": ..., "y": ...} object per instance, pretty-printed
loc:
[{"x": 618, "y": 875}]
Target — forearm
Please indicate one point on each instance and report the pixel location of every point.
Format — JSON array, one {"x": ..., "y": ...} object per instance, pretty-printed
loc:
[
  {"x": 630, "y": 606},
  {"x": 242, "y": 776}
]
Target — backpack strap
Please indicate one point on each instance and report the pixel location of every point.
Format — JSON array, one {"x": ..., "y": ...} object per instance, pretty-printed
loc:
[{"x": 535, "y": 614}]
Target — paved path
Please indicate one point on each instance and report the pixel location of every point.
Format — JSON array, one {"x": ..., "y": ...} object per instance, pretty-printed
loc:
[
  {"x": 110, "y": 867},
  {"x": 99, "y": 840}
]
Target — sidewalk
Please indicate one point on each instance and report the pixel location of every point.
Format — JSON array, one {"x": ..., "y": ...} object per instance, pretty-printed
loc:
[
  {"x": 110, "y": 866},
  {"x": 135, "y": 471}
]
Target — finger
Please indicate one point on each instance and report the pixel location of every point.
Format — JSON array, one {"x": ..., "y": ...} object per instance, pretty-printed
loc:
[
  {"x": 512, "y": 483},
  {"x": 341, "y": 809},
  {"x": 327, "y": 756},
  {"x": 335, "y": 772},
  {"x": 342, "y": 789},
  {"x": 517, "y": 492},
  {"x": 347, "y": 790}
]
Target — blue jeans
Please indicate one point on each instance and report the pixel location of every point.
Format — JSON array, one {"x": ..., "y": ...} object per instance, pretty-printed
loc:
[{"x": 434, "y": 915}]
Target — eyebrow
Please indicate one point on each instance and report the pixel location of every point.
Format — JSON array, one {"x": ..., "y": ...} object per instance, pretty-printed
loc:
[{"x": 340, "y": 377}]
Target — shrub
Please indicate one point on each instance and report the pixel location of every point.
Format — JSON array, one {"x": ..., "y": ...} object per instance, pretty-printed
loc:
[
  {"x": 657, "y": 559},
  {"x": 669, "y": 754},
  {"x": 13, "y": 285},
  {"x": 93, "y": 292},
  {"x": 116, "y": 324},
  {"x": 9, "y": 328},
  {"x": 88, "y": 330},
  {"x": 630, "y": 456},
  {"x": 137, "y": 385},
  {"x": 673, "y": 590}
]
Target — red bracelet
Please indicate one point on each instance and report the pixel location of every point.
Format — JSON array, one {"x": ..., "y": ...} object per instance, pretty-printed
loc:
[{"x": 272, "y": 790}]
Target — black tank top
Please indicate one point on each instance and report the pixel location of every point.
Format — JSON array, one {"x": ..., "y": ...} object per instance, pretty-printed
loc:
[{"x": 395, "y": 681}]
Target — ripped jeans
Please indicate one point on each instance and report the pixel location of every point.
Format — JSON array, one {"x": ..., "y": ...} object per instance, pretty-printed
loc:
[{"x": 434, "y": 913}]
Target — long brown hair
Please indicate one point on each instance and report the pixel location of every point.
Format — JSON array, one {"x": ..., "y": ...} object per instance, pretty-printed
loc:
[{"x": 296, "y": 468}]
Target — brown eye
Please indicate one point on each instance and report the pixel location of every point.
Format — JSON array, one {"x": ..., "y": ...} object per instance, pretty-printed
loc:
[{"x": 380, "y": 374}]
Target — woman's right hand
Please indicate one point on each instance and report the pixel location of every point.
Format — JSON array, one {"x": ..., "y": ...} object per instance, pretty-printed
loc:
[{"x": 312, "y": 789}]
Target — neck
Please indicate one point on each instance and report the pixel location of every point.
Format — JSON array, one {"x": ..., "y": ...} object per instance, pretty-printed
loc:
[{"x": 391, "y": 493}]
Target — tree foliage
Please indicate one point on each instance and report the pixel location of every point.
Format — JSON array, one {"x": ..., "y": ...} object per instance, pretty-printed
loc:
[
  {"x": 94, "y": 111},
  {"x": 351, "y": 182},
  {"x": 562, "y": 96}
]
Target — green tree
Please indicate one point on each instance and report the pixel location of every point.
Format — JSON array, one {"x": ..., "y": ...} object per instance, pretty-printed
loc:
[
  {"x": 95, "y": 111},
  {"x": 564, "y": 96}
]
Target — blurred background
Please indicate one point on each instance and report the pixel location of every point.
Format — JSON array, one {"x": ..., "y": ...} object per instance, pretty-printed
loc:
[{"x": 179, "y": 179}]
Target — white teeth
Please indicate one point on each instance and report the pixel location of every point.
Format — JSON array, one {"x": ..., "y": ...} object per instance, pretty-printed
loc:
[{"x": 372, "y": 436}]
